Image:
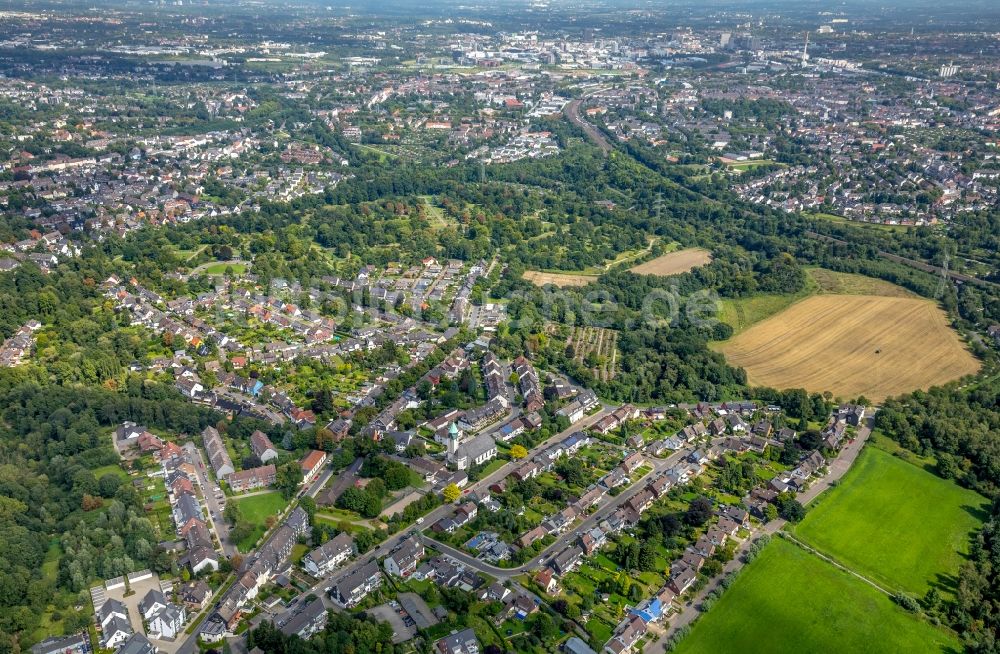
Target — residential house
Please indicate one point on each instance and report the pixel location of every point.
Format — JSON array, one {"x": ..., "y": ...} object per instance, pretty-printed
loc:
[
  {"x": 641, "y": 500},
  {"x": 527, "y": 470},
  {"x": 349, "y": 590},
  {"x": 626, "y": 636},
  {"x": 251, "y": 479},
  {"x": 631, "y": 462},
  {"x": 531, "y": 536},
  {"x": 852, "y": 414},
  {"x": 592, "y": 540},
  {"x": 217, "y": 454},
  {"x": 809, "y": 466},
  {"x": 152, "y": 603},
  {"x": 459, "y": 642},
  {"x": 149, "y": 443},
  {"x": 74, "y": 644},
  {"x": 115, "y": 626},
  {"x": 167, "y": 623},
  {"x": 137, "y": 644},
  {"x": 128, "y": 433},
  {"x": 187, "y": 513},
  {"x": 567, "y": 560},
  {"x": 403, "y": 560},
  {"x": 305, "y": 622},
  {"x": 578, "y": 407},
  {"x": 736, "y": 423},
  {"x": 329, "y": 555},
  {"x": 195, "y": 594},
  {"x": 262, "y": 446},
  {"x": 682, "y": 580},
  {"x": 546, "y": 579},
  {"x": 311, "y": 464}
]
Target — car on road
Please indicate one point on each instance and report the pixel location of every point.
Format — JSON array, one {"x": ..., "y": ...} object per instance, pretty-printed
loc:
[{"x": 420, "y": 520}]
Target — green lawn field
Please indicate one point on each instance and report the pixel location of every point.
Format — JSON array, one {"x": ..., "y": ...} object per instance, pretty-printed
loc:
[
  {"x": 220, "y": 268},
  {"x": 789, "y": 600},
  {"x": 113, "y": 469},
  {"x": 256, "y": 510},
  {"x": 895, "y": 523}
]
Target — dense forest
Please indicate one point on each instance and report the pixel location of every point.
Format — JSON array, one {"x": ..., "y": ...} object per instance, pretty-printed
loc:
[{"x": 51, "y": 439}]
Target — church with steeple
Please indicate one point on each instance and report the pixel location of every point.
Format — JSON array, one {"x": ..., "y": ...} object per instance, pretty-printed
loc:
[{"x": 476, "y": 451}]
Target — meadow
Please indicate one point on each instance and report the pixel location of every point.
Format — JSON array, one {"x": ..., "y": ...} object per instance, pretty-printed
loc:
[
  {"x": 221, "y": 267},
  {"x": 895, "y": 523},
  {"x": 788, "y": 600},
  {"x": 539, "y": 278}
]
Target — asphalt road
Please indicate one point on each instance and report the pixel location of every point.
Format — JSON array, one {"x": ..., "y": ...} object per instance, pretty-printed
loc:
[
  {"x": 837, "y": 469},
  {"x": 212, "y": 493},
  {"x": 610, "y": 505},
  {"x": 445, "y": 510},
  {"x": 319, "y": 589}
]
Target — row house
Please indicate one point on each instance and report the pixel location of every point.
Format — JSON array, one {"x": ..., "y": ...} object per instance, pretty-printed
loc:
[
  {"x": 245, "y": 480},
  {"x": 328, "y": 556}
]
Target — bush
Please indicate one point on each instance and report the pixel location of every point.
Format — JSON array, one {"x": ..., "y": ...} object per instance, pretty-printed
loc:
[
  {"x": 676, "y": 639},
  {"x": 907, "y": 602},
  {"x": 756, "y": 547}
]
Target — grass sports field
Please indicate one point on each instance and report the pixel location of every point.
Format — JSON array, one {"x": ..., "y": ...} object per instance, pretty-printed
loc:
[
  {"x": 789, "y": 600},
  {"x": 852, "y": 345},
  {"x": 895, "y": 523},
  {"x": 674, "y": 263},
  {"x": 539, "y": 278}
]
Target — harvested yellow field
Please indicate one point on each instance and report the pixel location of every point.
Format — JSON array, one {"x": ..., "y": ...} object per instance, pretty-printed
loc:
[
  {"x": 852, "y": 345},
  {"x": 674, "y": 263},
  {"x": 539, "y": 278}
]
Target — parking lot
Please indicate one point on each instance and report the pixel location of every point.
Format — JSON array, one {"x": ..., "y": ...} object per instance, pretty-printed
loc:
[{"x": 403, "y": 627}]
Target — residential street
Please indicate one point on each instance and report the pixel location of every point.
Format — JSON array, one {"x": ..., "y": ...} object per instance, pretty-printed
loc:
[
  {"x": 386, "y": 546},
  {"x": 444, "y": 510},
  {"x": 837, "y": 469},
  {"x": 211, "y": 492},
  {"x": 610, "y": 506}
]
